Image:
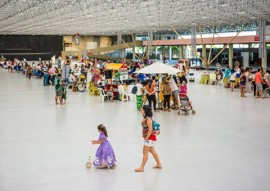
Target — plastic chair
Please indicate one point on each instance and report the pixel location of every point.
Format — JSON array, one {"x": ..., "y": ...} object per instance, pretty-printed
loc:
[
  {"x": 102, "y": 94},
  {"x": 219, "y": 81},
  {"x": 212, "y": 79},
  {"x": 122, "y": 92},
  {"x": 93, "y": 90}
]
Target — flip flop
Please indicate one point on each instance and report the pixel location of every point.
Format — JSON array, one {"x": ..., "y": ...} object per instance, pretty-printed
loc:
[
  {"x": 139, "y": 170},
  {"x": 157, "y": 167}
]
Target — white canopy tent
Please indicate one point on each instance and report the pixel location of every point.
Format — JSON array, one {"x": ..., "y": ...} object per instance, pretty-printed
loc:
[{"x": 158, "y": 68}]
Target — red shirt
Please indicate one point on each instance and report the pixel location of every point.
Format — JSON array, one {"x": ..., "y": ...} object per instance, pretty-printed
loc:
[
  {"x": 153, "y": 137},
  {"x": 258, "y": 77},
  {"x": 152, "y": 88}
]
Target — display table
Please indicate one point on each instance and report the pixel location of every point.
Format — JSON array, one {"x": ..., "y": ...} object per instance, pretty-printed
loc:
[{"x": 204, "y": 79}]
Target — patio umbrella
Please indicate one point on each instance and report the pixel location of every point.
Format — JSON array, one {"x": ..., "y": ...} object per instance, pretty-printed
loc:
[{"x": 158, "y": 68}]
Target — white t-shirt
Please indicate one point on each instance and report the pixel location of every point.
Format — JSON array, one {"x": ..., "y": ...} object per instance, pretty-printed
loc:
[
  {"x": 71, "y": 78},
  {"x": 173, "y": 85},
  {"x": 139, "y": 89},
  {"x": 181, "y": 66},
  {"x": 232, "y": 78},
  {"x": 102, "y": 81}
]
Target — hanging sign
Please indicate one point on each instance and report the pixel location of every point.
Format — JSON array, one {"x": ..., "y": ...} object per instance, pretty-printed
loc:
[{"x": 123, "y": 74}]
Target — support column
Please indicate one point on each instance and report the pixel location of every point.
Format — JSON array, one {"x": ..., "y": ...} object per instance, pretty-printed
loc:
[
  {"x": 265, "y": 59},
  {"x": 204, "y": 55},
  {"x": 119, "y": 41},
  {"x": 170, "y": 53},
  {"x": 156, "y": 53},
  {"x": 185, "y": 49},
  {"x": 124, "y": 54},
  {"x": 230, "y": 55},
  {"x": 119, "y": 37},
  {"x": 133, "y": 53},
  {"x": 182, "y": 51},
  {"x": 262, "y": 47},
  {"x": 193, "y": 41},
  {"x": 149, "y": 43}
]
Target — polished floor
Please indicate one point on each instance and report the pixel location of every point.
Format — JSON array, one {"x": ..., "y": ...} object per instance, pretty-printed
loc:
[{"x": 225, "y": 146}]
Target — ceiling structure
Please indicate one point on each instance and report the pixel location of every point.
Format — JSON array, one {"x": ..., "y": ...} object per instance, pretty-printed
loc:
[{"x": 106, "y": 17}]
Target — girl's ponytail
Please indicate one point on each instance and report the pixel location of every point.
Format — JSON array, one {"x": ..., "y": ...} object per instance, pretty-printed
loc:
[{"x": 103, "y": 129}]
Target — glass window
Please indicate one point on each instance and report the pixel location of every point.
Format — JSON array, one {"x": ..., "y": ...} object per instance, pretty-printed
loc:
[
  {"x": 255, "y": 45},
  {"x": 167, "y": 52},
  {"x": 218, "y": 45},
  {"x": 240, "y": 46},
  {"x": 236, "y": 46}
]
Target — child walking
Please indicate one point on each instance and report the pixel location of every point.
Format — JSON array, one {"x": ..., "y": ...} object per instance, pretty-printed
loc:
[
  {"x": 64, "y": 87},
  {"x": 139, "y": 95},
  {"x": 105, "y": 156},
  {"x": 58, "y": 90},
  {"x": 149, "y": 139}
]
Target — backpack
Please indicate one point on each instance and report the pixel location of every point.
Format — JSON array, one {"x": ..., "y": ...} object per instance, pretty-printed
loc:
[
  {"x": 156, "y": 128},
  {"x": 134, "y": 90}
]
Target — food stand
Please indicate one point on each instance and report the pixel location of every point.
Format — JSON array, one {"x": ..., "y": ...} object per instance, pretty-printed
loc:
[{"x": 111, "y": 77}]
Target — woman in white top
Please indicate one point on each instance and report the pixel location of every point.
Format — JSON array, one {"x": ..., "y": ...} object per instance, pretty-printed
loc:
[
  {"x": 71, "y": 78},
  {"x": 237, "y": 71},
  {"x": 248, "y": 80},
  {"x": 232, "y": 80},
  {"x": 76, "y": 69}
]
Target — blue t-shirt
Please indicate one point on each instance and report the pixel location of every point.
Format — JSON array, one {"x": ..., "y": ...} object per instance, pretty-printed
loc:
[
  {"x": 227, "y": 72},
  {"x": 141, "y": 77}
]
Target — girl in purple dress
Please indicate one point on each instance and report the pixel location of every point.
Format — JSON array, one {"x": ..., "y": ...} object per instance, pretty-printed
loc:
[{"x": 105, "y": 155}]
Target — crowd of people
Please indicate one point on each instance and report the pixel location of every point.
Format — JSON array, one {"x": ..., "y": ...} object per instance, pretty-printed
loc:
[
  {"x": 246, "y": 80},
  {"x": 147, "y": 88}
]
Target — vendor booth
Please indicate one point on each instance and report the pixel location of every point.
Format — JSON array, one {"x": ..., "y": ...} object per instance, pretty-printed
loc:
[{"x": 116, "y": 76}]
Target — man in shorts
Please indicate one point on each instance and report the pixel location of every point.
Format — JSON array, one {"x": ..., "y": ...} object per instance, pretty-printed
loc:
[
  {"x": 58, "y": 89},
  {"x": 258, "y": 83}
]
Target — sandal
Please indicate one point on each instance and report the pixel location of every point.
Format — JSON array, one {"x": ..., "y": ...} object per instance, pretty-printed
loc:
[
  {"x": 102, "y": 167},
  {"x": 157, "y": 167},
  {"x": 139, "y": 170},
  {"x": 113, "y": 166}
]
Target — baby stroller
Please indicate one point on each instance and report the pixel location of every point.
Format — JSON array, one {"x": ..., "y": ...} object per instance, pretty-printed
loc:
[
  {"x": 266, "y": 89},
  {"x": 185, "y": 104}
]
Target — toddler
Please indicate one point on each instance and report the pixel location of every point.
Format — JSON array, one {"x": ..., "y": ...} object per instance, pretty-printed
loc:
[{"x": 105, "y": 155}]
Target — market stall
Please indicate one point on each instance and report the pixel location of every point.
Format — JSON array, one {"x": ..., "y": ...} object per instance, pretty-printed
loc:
[{"x": 158, "y": 68}]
